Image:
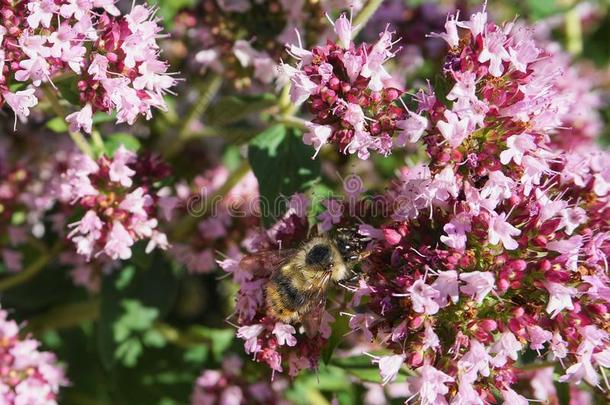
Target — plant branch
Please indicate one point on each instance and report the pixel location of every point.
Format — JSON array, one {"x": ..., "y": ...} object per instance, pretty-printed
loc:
[
  {"x": 30, "y": 271},
  {"x": 189, "y": 222},
  {"x": 364, "y": 15},
  {"x": 574, "y": 42},
  {"x": 65, "y": 316},
  {"x": 77, "y": 137},
  {"x": 208, "y": 89}
]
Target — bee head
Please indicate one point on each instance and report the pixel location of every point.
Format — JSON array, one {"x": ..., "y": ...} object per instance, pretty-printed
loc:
[
  {"x": 350, "y": 243},
  {"x": 319, "y": 255}
]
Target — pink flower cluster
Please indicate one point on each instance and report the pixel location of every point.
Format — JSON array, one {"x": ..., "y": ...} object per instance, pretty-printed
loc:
[
  {"x": 349, "y": 93},
  {"x": 499, "y": 230},
  {"x": 114, "y": 58},
  {"x": 228, "y": 386},
  {"x": 502, "y": 230},
  {"x": 118, "y": 196},
  {"x": 27, "y": 375}
]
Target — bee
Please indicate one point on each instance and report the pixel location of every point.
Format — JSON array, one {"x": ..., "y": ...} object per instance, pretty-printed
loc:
[{"x": 297, "y": 286}]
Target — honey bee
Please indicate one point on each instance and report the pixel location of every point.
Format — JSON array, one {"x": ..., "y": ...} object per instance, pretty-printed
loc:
[{"x": 298, "y": 284}]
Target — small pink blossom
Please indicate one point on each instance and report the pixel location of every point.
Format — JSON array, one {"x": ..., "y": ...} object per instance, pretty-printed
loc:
[
  {"x": 285, "y": 334},
  {"x": 478, "y": 284}
]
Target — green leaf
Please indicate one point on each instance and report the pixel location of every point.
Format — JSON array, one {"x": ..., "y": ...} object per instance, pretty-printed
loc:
[
  {"x": 339, "y": 329},
  {"x": 129, "y": 351},
  {"x": 231, "y": 109},
  {"x": 114, "y": 141},
  {"x": 101, "y": 117},
  {"x": 540, "y": 9},
  {"x": 563, "y": 393},
  {"x": 69, "y": 90},
  {"x": 220, "y": 339},
  {"x": 131, "y": 301},
  {"x": 282, "y": 164},
  {"x": 169, "y": 8},
  {"x": 58, "y": 124}
]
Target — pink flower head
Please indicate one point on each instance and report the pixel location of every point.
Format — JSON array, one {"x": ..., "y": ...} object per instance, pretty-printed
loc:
[
  {"x": 389, "y": 366},
  {"x": 454, "y": 130},
  {"x": 118, "y": 245},
  {"x": 343, "y": 29},
  {"x": 423, "y": 298},
  {"x": 517, "y": 145},
  {"x": 448, "y": 286},
  {"x": 429, "y": 385},
  {"x": 538, "y": 337},
  {"x": 21, "y": 102},
  {"x": 119, "y": 171},
  {"x": 560, "y": 298},
  {"x": 501, "y": 230},
  {"x": 82, "y": 119},
  {"x": 507, "y": 346},
  {"x": 411, "y": 129},
  {"x": 478, "y": 284},
  {"x": 317, "y": 136},
  {"x": 284, "y": 334}
]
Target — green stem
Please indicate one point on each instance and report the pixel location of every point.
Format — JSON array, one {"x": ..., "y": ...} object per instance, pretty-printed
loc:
[
  {"x": 65, "y": 316},
  {"x": 97, "y": 141},
  {"x": 364, "y": 15},
  {"x": 574, "y": 42},
  {"x": 292, "y": 122},
  {"x": 208, "y": 90},
  {"x": 30, "y": 271},
  {"x": 77, "y": 137},
  {"x": 190, "y": 221}
]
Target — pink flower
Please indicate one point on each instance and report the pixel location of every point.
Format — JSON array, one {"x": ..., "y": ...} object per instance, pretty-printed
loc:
[
  {"x": 476, "y": 360},
  {"x": 41, "y": 13},
  {"x": 423, "y": 298},
  {"x": 411, "y": 129},
  {"x": 317, "y": 136},
  {"x": 454, "y": 130},
  {"x": 302, "y": 88},
  {"x": 494, "y": 52},
  {"x": 517, "y": 145},
  {"x": 21, "y": 102},
  {"x": 249, "y": 334},
  {"x": 136, "y": 202},
  {"x": 429, "y": 385},
  {"x": 332, "y": 215},
  {"x": 569, "y": 249},
  {"x": 560, "y": 298},
  {"x": 447, "y": 285},
  {"x": 343, "y": 29},
  {"x": 82, "y": 119},
  {"x": 501, "y": 230},
  {"x": 451, "y": 31},
  {"x": 507, "y": 346},
  {"x": 118, "y": 245},
  {"x": 431, "y": 340},
  {"x": 119, "y": 171},
  {"x": 538, "y": 337},
  {"x": 478, "y": 284},
  {"x": 284, "y": 334},
  {"x": 511, "y": 397},
  {"x": 389, "y": 366},
  {"x": 456, "y": 231}
]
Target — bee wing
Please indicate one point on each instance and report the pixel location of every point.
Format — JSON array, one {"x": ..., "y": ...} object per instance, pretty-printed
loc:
[{"x": 263, "y": 263}]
